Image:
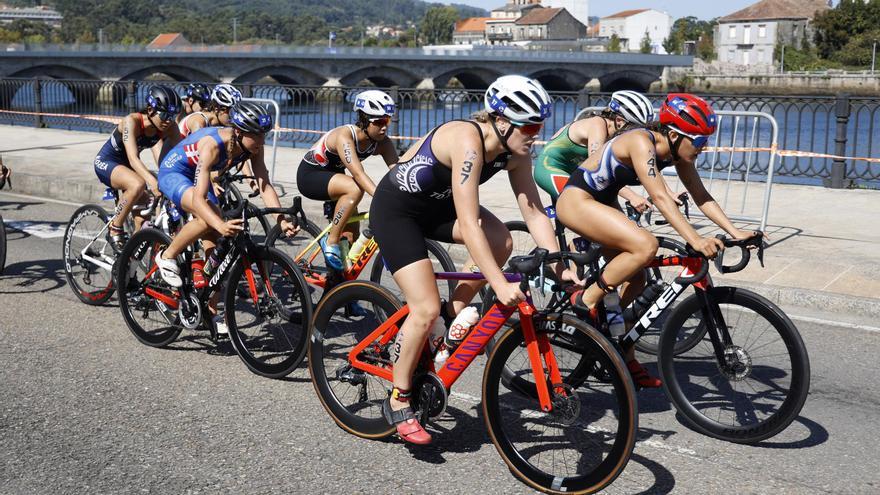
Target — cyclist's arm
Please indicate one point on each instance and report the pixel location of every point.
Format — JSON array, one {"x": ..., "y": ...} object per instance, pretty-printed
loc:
[
  {"x": 689, "y": 177},
  {"x": 267, "y": 190},
  {"x": 592, "y": 133},
  {"x": 130, "y": 134},
  {"x": 526, "y": 191},
  {"x": 209, "y": 154},
  {"x": 347, "y": 152},
  {"x": 170, "y": 138},
  {"x": 467, "y": 163},
  {"x": 644, "y": 161},
  {"x": 634, "y": 198},
  {"x": 389, "y": 152}
]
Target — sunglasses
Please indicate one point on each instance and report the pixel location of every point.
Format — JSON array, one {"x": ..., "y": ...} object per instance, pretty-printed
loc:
[
  {"x": 165, "y": 115},
  {"x": 699, "y": 142},
  {"x": 528, "y": 129},
  {"x": 381, "y": 121}
]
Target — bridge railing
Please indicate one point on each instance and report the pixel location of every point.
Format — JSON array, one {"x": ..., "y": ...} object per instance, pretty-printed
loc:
[{"x": 817, "y": 126}]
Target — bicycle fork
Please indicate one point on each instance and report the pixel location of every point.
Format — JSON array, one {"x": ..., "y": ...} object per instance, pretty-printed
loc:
[{"x": 539, "y": 351}]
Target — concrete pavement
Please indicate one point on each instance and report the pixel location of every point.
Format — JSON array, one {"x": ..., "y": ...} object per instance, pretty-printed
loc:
[{"x": 824, "y": 242}]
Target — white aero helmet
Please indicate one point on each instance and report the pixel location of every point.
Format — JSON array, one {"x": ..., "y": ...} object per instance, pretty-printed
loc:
[
  {"x": 519, "y": 99},
  {"x": 632, "y": 106},
  {"x": 374, "y": 103},
  {"x": 225, "y": 95}
]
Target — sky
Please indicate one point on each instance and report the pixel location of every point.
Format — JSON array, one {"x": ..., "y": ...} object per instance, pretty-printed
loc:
[{"x": 701, "y": 9}]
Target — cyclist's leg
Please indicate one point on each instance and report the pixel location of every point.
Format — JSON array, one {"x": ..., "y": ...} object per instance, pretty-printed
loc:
[
  {"x": 347, "y": 194},
  {"x": 551, "y": 179},
  {"x": 132, "y": 186},
  {"x": 501, "y": 244},
  {"x": 606, "y": 225}
]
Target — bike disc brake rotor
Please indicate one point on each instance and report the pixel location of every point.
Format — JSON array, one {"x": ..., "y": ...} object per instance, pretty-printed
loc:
[
  {"x": 737, "y": 365},
  {"x": 566, "y": 404}
]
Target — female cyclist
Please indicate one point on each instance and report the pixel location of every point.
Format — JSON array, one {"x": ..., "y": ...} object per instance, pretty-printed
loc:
[
  {"x": 205, "y": 116},
  {"x": 574, "y": 143},
  {"x": 223, "y": 97},
  {"x": 433, "y": 193},
  {"x": 118, "y": 164},
  {"x": 185, "y": 177},
  {"x": 589, "y": 207},
  {"x": 195, "y": 99},
  {"x": 321, "y": 174}
]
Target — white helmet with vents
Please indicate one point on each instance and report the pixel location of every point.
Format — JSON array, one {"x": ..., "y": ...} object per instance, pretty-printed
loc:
[
  {"x": 519, "y": 99},
  {"x": 374, "y": 103},
  {"x": 225, "y": 95},
  {"x": 632, "y": 106}
]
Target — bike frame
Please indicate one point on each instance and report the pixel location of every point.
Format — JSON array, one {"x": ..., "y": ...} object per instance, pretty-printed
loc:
[
  {"x": 538, "y": 347},
  {"x": 313, "y": 250}
]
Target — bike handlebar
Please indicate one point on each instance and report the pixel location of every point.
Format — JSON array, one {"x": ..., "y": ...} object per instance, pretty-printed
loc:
[
  {"x": 744, "y": 246},
  {"x": 534, "y": 263},
  {"x": 635, "y": 216}
]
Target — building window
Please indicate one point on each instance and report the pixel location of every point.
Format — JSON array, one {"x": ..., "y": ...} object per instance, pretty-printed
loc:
[
  {"x": 732, "y": 32},
  {"x": 731, "y": 55},
  {"x": 762, "y": 30}
]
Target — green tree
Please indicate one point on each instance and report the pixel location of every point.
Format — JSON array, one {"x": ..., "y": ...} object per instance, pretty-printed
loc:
[
  {"x": 836, "y": 28},
  {"x": 691, "y": 29},
  {"x": 437, "y": 25},
  {"x": 614, "y": 43},
  {"x": 645, "y": 45}
]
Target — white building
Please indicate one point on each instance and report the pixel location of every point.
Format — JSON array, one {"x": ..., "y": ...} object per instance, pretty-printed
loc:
[
  {"x": 749, "y": 36},
  {"x": 579, "y": 9},
  {"x": 631, "y": 25}
]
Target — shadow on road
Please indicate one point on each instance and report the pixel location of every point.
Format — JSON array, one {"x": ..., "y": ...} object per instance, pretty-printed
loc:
[
  {"x": 817, "y": 435},
  {"x": 17, "y": 205},
  {"x": 34, "y": 276}
]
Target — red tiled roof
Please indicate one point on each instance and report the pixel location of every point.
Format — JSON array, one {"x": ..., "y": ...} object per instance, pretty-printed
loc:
[
  {"x": 471, "y": 24},
  {"x": 778, "y": 9},
  {"x": 538, "y": 16},
  {"x": 166, "y": 39},
  {"x": 626, "y": 13}
]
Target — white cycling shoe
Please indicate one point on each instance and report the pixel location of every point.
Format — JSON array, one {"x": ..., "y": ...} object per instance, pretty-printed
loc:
[
  {"x": 169, "y": 270},
  {"x": 220, "y": 325}
]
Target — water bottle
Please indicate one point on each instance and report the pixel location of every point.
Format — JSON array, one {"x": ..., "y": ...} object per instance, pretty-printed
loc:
[
  {"x": 614, "y": 314},
  {"x": 435, "y": 339},
  {"x": 458, "y": 330},
  {"x": 214, "y": 259},
  {"x": 359, "y": 245},
  {"x": 644, "y": 301}
]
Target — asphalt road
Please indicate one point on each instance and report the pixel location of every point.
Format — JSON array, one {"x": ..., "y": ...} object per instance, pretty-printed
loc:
[{"x": 84, "y": 408}]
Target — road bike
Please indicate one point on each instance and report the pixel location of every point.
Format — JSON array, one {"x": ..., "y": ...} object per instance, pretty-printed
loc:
[
  {"x": 305, "y": 250},
  {"x": 733, "y": 364},
  {"x": 266, "y": 302},
  {"x": 555, "y": 437},
  {"x": 89, "y": 256}
]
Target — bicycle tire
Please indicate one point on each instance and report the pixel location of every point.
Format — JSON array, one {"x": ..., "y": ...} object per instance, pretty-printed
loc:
[
  {"x": 2, "y": 245},
  {"x": 133, "y": 300},
  {"x": 311, "y": 263},
  {"x": 611, "y": 404},
  {"x": 329, "y": 346},
  {"x": 441, "y": 258},
  {"x": 271, "y": 352},
  {"x": 680, "y": 372},
  {"x": 80, "y": 283}
]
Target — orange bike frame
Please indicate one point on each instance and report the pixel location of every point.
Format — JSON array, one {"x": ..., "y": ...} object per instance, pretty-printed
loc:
[{"x": 537, "y": 346}]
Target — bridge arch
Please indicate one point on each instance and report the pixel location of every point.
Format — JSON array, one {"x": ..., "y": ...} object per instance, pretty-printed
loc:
[
  {"x": 53, "y": 71},
  {"x": 383, "y": 77},
  {"x": 282, "y": 74},
  {"x": 469, "y": 77},
  {"x": 630, "y": 79},
  {"x": 177, "y": 72},
  {"x": 86, "y": 93},
  {"x": 560, "y": 79}
]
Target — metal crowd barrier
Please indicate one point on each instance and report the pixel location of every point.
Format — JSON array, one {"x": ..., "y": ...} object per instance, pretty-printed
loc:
[
  {"x": 743, "y": 150},
  {"x": 274, "y": 131}
]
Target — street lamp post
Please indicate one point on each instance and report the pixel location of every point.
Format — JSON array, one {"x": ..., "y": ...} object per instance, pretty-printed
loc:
[
  {"x": 873, "y": 56},
  {"x": 782, "y": 61}
]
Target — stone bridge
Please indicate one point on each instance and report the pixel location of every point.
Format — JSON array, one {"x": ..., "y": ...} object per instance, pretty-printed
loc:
[{"x": 343, "y": 66}]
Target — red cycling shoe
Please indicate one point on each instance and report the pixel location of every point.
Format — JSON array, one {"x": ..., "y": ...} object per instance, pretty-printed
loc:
[
  {"x": 641, "y": 377},
  {"x": 408, "y": 427}
]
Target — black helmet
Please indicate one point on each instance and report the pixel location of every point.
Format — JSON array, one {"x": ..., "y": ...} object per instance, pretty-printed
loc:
[
  {"x": 250, "y": 117},
  {"x": 163, "y": 99},
  {"x": 199, "y": 92}
]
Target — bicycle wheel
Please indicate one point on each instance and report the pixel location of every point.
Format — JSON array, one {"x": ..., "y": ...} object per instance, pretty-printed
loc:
[
  {"x": 649, "y": 342},
  {"x": 763, "y": 382},
  {"x": 440, "y": 261},
  {"x": 351, "y": 397},
  {"x": 88, "y": 255},
  {"x": 2, "y": 245},
  {"x": 148, "y": 305},
  {"x": 310, "y": 260},
  {"x": 268, "y": 312},
  {"x": 585, "y": 442}
]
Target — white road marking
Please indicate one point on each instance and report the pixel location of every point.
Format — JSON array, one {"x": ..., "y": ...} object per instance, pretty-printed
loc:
[
  {"x": 43, "y": 230},
  {"x": 832, "y": 323},
  {"x": 40, "y": 198}
]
